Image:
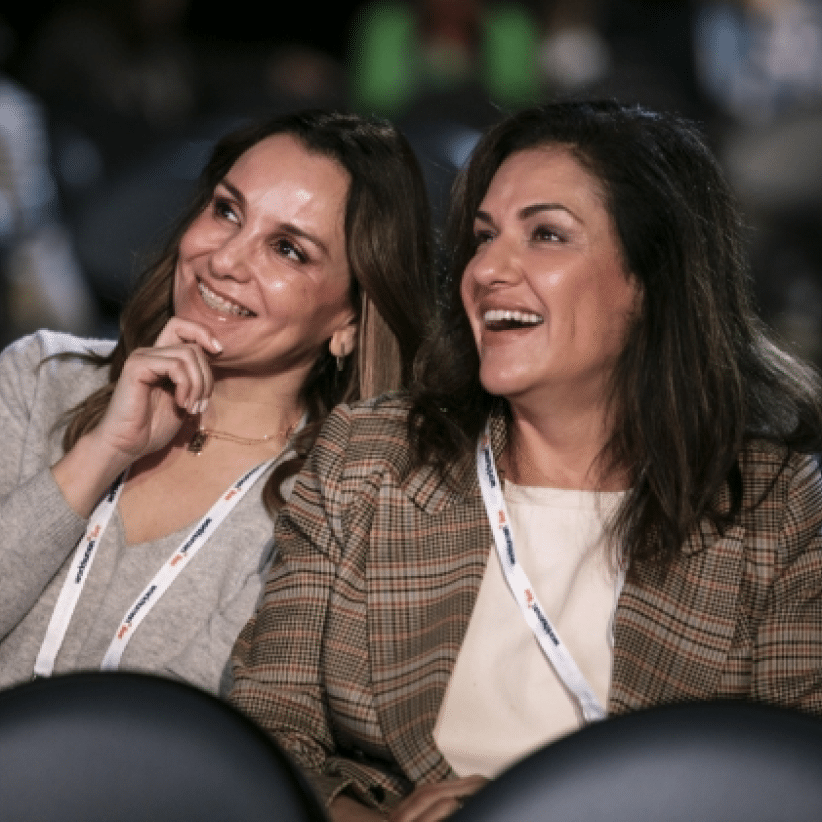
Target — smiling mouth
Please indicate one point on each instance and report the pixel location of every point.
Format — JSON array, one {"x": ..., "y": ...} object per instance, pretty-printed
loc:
[
  {"x": 220, "y": 304},
  {"x": 504, "y": 320}
]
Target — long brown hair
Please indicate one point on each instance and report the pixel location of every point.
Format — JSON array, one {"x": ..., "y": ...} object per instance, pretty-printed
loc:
[
  {"x": 388, "y": 244},
  {"x": 700, "y": 376}
]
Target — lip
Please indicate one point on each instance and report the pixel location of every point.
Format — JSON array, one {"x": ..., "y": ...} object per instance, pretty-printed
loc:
[{"x": 222, "y": 304}]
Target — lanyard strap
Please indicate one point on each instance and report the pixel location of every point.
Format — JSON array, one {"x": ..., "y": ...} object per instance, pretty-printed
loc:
[
  {"x": 148, "y": 598},
  {"x": 76, "y": 579},
  {"x": 558, "y": 654}
]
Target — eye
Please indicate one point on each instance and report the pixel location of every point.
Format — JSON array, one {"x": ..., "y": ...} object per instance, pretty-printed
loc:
[
  {"x": 482, "y": 237},
  {"x": 287, "y": 248},
  {"x": 545, "y": 234},
  {"x": 224, "y": 209}
]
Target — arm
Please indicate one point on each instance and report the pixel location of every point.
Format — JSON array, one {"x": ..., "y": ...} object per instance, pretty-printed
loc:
[
  {"x": 39, "y": 529},
  {"x": 43, "y": 510},
  {"x": 316, "y": 587},
  {"x": 788, "y": 649}
]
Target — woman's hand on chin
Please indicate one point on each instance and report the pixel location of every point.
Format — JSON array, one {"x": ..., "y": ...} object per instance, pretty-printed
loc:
[
  {"x": 431, "y": 803},
  {"x": 158, "y": 388}
]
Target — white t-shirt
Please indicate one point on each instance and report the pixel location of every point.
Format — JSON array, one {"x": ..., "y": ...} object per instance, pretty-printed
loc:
[{"x": 504, "y": 700}]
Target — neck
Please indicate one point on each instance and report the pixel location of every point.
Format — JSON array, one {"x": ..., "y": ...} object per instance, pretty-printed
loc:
[
  {"x": 253, "y": 414},
  {"x": 560, "y": 451}
]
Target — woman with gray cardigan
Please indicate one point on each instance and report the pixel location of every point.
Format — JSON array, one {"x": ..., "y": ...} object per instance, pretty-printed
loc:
[{"x": 139, "y": 480}]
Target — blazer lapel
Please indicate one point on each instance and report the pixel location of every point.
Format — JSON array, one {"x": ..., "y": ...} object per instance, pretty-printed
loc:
[
  {"x": 421, "y": 593},
  {"x": 672, "y": 633}
]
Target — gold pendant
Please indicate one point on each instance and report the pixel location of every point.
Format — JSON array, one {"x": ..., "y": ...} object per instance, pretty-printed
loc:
[{"x": 198, "y": 442}]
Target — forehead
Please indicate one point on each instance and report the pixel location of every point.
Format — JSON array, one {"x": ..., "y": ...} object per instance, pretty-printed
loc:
[
  {"x": 546, "y": 173},
  {"x": 282, "y": 160}
]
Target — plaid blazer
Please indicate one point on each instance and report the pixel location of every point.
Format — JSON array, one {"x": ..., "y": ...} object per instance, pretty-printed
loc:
[{"x": 347, "y": 659}]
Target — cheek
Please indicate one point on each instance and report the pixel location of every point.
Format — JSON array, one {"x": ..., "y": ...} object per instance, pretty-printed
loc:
[
  {"x": 322, "y": 302},
  {"x": 193, "y": 238}
]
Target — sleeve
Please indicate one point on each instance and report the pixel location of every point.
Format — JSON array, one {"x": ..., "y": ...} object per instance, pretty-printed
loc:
[
  {"x": 788, "y": 651},
  {"x": 278, "y": 658},
  {"x": 39, "y": 528}
]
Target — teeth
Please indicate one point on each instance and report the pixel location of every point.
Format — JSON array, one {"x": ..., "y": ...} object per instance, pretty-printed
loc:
[
  {"x": 216, "y": 302},
  {"x": 522, "y": 317}
]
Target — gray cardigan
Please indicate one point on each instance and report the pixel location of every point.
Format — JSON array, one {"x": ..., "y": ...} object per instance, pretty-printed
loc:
[{"x": 189, "y": 634}]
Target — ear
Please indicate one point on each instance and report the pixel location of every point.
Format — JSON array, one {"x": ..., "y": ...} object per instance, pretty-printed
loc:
[{"x": 344, "y": 340}]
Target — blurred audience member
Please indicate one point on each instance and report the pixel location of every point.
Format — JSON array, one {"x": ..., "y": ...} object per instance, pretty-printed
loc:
[
  {"x": 760, "y": 62},
  {"x": 128, "y": 57},
  {"x": 761, "y": 59},
  {"x": 574, "y": 54},
  {"x": 404, "y": 52},
  {"x": 41, "y": 282}
]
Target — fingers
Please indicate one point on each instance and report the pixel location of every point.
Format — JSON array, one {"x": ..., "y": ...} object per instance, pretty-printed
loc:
[
  {"x": 193, "y": 380},
  {"x": 183, "y": 370},
  {"x": 432, "y": 803},
  {"x": 178, "y": 331}
]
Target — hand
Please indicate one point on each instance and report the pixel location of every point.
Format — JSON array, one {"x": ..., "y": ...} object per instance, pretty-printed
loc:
[
  {"x": 157, "y": 389},
  {"x": 434, "y": 802}
]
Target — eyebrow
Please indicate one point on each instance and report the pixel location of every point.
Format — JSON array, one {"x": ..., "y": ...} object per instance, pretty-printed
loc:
[
  {"x": 529, "y": 211},
  {"x": 233, "y": 190},
  {"x": 289, "y": 228},
  {"x": 536, "y": 208}
]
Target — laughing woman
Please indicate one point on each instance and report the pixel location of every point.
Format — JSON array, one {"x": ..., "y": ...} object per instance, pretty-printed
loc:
[
  {"x": 600, "y": 497},
  {"x": 298, "y": 278}
]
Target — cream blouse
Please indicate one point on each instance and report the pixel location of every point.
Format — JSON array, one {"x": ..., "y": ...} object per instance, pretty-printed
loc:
[{"x": 504, "y": 700}]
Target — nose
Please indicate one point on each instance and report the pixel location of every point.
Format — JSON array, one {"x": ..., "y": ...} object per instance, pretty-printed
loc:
[
  {"x": 496, "y": 262},
  {"x": 230, "y": 258}
]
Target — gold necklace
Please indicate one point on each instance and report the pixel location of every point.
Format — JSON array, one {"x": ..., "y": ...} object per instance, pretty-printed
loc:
[{"x": 202, "y": 435}]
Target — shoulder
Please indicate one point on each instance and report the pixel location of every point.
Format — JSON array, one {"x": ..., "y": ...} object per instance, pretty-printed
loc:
[
  {"x": 363, "y": 451},
  {"x": 31, "y": 350},
  {"x": 768, "y": 468},
  {"x": 369, "y": 434},
  {"x": 41, "y": 377},
  {"x": 56, "y": 358},
  {"x": 782, "y": 493}
]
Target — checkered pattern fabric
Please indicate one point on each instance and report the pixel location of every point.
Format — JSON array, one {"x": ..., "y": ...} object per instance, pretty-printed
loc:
[{"x": 347, "y": 660}]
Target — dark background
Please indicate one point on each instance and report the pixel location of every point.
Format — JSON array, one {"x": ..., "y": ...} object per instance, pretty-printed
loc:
[{"x": 121, "y": 172}]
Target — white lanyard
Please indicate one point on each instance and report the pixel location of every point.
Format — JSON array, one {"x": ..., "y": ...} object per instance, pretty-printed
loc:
[
  {"x": 558, "y": 654},
  {"x": 87, "y": 550}
]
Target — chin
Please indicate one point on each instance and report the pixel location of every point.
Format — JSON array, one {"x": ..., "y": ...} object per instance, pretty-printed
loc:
[{"x": 502, "y": 384}]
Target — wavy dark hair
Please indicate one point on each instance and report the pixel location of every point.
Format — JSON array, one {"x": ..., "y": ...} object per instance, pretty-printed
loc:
[
  {"x": 700, "y": 376},
  {"x": 387, "y": 235}
]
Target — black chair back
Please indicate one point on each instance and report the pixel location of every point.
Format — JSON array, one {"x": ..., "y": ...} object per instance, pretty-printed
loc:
[
  {"x": 102, "y": 747},
  {"x": 701, "y": 762}
]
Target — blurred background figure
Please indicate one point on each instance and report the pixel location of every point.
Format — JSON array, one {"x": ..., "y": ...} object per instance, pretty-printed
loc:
[
  {"x": 461, "y": 53},
  {"x": 444, "y": 70},
  {"x": 40, "y": 280},
  {"x": 760, "y": 63},
  {"x": 574, "y": 54},
  {"x": 128, "y": 58}
]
